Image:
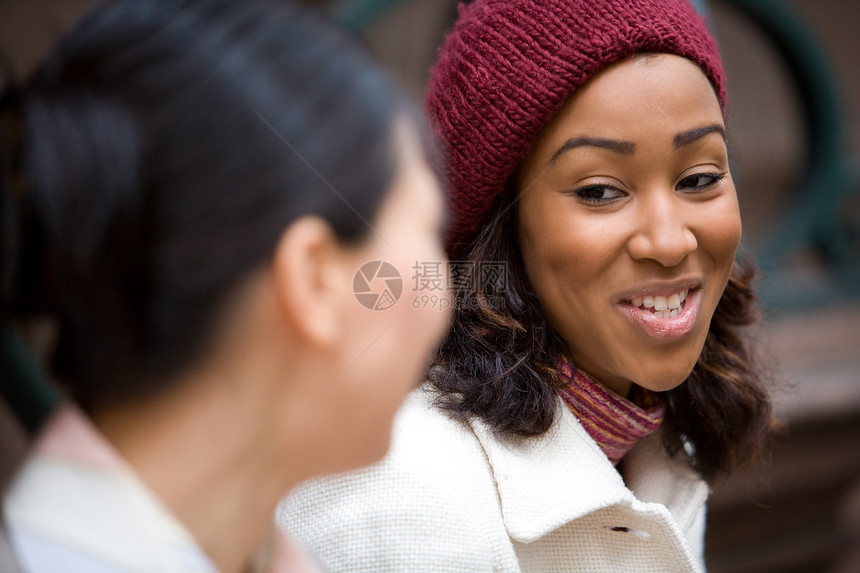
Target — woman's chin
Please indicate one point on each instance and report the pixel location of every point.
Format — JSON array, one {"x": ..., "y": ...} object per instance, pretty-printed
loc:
[{"x": 664, "y": 381}]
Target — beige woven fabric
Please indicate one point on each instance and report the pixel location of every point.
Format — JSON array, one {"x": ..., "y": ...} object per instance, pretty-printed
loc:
[{"x": 452, "y": 498}]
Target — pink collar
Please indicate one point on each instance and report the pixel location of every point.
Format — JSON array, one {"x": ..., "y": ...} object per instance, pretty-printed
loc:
[{"x": 70, "y": 435}]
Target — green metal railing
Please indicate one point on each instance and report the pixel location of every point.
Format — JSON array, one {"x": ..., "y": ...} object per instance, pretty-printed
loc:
[
  {"x": 22, "y": 385},
  {"x": 359, "y": 14},
  {"x": 819, "y": 217}
]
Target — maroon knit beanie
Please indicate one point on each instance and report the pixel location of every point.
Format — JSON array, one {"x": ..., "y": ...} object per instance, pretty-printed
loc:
[{"x": 508, "y": 66}]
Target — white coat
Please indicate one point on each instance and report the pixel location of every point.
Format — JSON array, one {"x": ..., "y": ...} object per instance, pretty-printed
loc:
[{"x": 450, "y": 497}]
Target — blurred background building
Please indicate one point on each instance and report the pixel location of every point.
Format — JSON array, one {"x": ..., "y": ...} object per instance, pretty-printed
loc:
[{"x": 793, "y": 68}]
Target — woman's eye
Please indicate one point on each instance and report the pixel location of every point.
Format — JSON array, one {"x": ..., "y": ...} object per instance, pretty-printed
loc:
[
  {"x": 596, "y": 194},
  {"x": 700, "y": 181}
]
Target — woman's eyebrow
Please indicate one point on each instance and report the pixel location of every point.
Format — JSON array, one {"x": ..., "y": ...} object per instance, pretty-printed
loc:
[
  {"x": 628, "y": 147},
  {"x": 622, "y": 147},
  {"x": 688, "y": 137}
]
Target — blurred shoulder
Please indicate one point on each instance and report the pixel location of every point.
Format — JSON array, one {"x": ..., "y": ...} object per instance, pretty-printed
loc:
[{"x": 426, "y": 501}]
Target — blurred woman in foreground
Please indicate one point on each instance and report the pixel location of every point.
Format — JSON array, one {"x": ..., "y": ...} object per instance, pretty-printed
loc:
[{"x": 189, "y": 188}]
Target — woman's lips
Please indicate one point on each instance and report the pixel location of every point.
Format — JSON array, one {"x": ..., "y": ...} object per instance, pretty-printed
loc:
[{"x": 666, "y": 329}]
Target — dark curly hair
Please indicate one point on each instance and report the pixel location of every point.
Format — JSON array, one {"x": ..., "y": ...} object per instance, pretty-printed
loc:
[{"x": 498, "y": 362}]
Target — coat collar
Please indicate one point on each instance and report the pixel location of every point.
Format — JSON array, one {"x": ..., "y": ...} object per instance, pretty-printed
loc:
[
  {"x": 545, "y": 482},
  {"x": 77, "y": 491}
]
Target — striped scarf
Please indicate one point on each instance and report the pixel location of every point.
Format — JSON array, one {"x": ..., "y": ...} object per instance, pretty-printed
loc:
[{"x": 616, "y": 424}]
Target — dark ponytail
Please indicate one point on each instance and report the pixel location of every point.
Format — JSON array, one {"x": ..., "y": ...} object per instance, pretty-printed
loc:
[
  {"x": 12, "y": 188},
  {"x": 159, "y": 154},
  {"x": 85, "y": 260}
]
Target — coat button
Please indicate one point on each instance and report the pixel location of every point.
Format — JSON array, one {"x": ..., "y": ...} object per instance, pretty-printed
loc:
[{"x": 628, "y": 530}]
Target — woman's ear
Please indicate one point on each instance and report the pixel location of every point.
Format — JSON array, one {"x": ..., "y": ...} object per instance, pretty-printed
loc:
[{"x": 311, "y": 280}]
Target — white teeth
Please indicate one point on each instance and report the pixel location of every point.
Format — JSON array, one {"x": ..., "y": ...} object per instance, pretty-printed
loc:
[{"x": 662, "y": 306}]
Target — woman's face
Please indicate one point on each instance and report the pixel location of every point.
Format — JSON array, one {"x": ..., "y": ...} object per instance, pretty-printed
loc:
[
  {"x": 387, "y": 349},
  {"x": 629, "y": 222}
]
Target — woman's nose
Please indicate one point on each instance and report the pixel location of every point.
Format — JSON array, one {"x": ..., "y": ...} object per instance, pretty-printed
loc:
[{"x": 662, "y": 229}]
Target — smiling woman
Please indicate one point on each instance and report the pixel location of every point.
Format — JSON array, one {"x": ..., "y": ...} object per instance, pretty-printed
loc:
[
  {"x": 572, "y": 417},
  {"x": 625, "y": 208}
]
